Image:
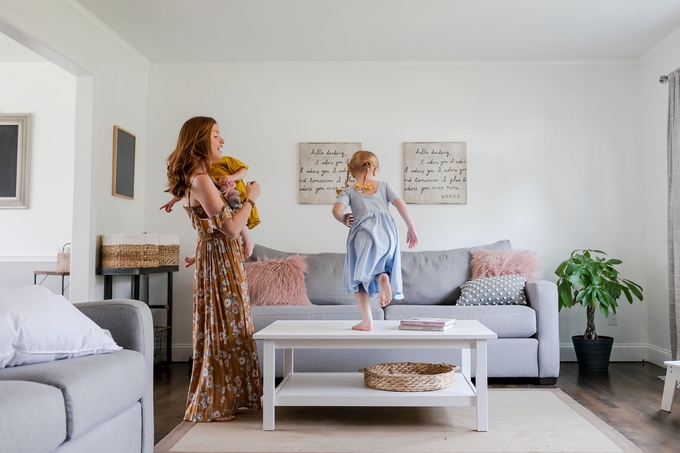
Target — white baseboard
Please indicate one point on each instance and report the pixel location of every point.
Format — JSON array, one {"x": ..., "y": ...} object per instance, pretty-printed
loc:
[
  {"x": 624, "y": 352},
  {"x": 181, "y": 352}
]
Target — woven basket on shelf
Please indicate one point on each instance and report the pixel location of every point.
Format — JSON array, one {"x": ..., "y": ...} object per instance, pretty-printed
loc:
[
  {"x": 409, "y": 376},
  {"x": 129, "y": 250},
  {"x": 168, "y": 250}
]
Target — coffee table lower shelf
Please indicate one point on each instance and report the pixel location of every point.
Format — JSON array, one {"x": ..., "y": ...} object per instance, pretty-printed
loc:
[{"x": 348, "y": 389}]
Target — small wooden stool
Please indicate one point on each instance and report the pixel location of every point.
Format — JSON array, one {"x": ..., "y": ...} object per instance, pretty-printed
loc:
[{"x": 672, "y": 377}]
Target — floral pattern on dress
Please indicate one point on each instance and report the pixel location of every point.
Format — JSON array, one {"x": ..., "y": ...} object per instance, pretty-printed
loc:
[{"x": 226, "y": 370}]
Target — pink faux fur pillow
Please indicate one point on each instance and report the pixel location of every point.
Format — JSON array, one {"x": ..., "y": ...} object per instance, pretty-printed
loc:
[
  {"x": 486, "y": 263},
  {"x": 277, "y": 281}
]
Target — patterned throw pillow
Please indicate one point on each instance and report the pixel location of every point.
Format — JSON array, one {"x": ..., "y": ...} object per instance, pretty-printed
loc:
[{"x": 505, "y": 290}]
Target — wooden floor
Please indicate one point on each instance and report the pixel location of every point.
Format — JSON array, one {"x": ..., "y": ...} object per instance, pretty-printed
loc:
[{"x": 627, "y": 398}]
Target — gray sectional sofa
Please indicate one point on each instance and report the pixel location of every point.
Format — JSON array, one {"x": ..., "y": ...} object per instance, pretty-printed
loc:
[
  {"x": 528, "y": 336},
  {"x": 98, "y": 403}
]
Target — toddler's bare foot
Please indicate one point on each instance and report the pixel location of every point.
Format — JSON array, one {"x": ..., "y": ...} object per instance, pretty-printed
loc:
[
  {"x": 363, "y": 325},
  {"x": 385, "y": 290}
]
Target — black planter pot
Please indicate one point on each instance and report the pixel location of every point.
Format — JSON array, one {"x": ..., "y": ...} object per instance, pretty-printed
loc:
[{"x": 592, "y": 355}]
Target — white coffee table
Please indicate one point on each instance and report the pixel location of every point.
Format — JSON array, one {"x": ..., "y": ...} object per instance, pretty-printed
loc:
[{"x": 348, "y": 389}]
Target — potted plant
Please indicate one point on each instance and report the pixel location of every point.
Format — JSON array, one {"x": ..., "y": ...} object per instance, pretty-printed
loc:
[{"x": 590, "y": 279}]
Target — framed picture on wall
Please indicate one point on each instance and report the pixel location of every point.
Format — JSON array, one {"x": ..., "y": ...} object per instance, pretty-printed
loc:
[
  {"x": 123, "y": 163},
  {"x": 323, "y": 169},
  {"x": 435, "y": 172},
  {"x": 15, "y": 151}
]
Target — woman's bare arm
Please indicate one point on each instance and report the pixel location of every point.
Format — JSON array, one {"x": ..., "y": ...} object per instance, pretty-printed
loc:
[{"x": 203, "y": 190}]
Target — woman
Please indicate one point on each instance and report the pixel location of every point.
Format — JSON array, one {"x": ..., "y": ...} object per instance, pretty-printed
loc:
[{"x": 226, "y": 371}]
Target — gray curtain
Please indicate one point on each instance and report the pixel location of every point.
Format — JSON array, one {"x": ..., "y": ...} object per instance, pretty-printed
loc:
[{"x": 673, "y": 155}]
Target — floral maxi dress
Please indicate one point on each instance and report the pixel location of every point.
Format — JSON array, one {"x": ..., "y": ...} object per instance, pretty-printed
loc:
[{"x": 226, "y": 370}]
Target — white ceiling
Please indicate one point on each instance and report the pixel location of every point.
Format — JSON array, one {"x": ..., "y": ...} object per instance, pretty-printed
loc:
[
  {"x": 380, "y": 30},
  {"x": 388, "y": 30}
]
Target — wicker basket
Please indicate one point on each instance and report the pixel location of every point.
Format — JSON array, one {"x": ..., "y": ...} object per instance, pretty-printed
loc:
[
  {"x": 409, "y": 376},
  {"x": 168, "y": 250},
  {"x": 129, "y": 250}
]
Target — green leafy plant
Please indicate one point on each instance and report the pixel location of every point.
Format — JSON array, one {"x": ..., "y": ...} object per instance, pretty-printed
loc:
[{"x": 589, "y": 279}]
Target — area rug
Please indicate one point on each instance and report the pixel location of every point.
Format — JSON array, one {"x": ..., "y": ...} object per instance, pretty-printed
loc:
[{"x": 520, "y": 420}]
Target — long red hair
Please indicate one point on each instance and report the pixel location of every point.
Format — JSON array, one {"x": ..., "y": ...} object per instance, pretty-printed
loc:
[{"x": 191, "y": 155}]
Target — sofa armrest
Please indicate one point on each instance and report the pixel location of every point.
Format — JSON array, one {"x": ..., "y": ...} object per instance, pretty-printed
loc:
[
  {"x": 129, "y": 322},
  {"x": 131, "y": 326},
  {"x": 542, "y": 297}
]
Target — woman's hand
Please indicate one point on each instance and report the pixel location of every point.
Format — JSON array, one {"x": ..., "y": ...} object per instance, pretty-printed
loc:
[{"x": 253, "y": 190}]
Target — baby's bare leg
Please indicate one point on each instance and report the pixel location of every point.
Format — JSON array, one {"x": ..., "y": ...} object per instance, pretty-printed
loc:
[
  {"x": 385, "y": 289},
  {"x": 248, "y": 244},
  {"x": 364, "y": 303}
]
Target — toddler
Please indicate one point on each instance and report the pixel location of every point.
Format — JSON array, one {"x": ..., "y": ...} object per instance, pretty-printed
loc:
[{"x": 373, "y": 260}]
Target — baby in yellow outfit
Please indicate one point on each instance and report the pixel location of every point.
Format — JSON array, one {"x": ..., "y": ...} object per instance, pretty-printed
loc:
[{"x": 223, "y": 172}]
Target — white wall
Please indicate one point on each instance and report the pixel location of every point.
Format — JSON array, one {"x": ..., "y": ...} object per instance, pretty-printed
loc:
[
  {"x": 554, "y": 156},
  {"x": 110, "y": 90},
  {"x": 660, "y": 60},
  {"x": 48, "y": 94}
]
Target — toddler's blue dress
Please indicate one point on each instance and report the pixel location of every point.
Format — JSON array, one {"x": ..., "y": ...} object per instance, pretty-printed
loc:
[{"x": 373, "y": 241}]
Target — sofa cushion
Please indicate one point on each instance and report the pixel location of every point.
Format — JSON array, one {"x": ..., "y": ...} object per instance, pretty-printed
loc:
[
  {"x": 323, "y": 278},
  {"x": 32, "y": 417},
  {"x": 265, "y": 315},
  {"x": 94, "y": 387},
  {"x": 435, "y": 277},
  {"x": 507, "y": 321}
]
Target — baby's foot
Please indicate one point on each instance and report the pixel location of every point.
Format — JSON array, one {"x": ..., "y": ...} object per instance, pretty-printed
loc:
[
  {"x": 385, "y": 290},
  {"x": 248, "y": 247},
  {"x": 363, "y": 325}
]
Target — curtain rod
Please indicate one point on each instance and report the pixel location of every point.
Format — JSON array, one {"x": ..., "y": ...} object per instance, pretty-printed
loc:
[{"x": 663, "y": 79}]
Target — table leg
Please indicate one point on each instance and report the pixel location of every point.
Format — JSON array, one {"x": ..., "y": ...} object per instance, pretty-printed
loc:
[
  {"x": 169, "y": 320},
  {"x": 287, "y": 362},
  {"x": 669, "y": 388},
  {"x": 145, "y": 289},
  {"x": 465, "y": 367},
  {"x": 62, "y": 285},
  {"x": 135, "y": 287},
  {"x": 482, "y": 388},
  {"x": 269, "y": 369},
  {"x": 108, "y": 287},
  {"x": 35, "y": 279}
]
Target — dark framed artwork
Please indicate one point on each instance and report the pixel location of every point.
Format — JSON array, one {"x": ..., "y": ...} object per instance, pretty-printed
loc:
[
  {"x": 123, "y": 164},
  {"x": 15, "y": 151}
]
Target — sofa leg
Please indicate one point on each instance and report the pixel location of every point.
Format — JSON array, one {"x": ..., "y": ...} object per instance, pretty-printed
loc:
[{"x": 547, "y": 381}]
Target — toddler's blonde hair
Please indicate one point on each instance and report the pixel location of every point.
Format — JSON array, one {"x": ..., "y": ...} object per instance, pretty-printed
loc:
[{"x": 361, "y": 162}]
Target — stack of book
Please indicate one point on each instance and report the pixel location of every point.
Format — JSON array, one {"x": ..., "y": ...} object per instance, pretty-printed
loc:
[{"x": 436, "y": 324}]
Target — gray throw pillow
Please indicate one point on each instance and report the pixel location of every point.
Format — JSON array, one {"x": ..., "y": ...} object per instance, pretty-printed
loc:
[{"x": 505, "y": 290}]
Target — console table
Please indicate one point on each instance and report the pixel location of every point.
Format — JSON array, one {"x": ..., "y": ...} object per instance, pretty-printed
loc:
[
  {"x": 348, "y": 389},
  {"x": 46, "y": 274},
  {"x": 136, "y": 273}
]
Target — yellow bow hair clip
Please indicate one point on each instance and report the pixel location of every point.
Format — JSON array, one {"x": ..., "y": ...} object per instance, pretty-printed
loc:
[{"x": 362, "y": 186}]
